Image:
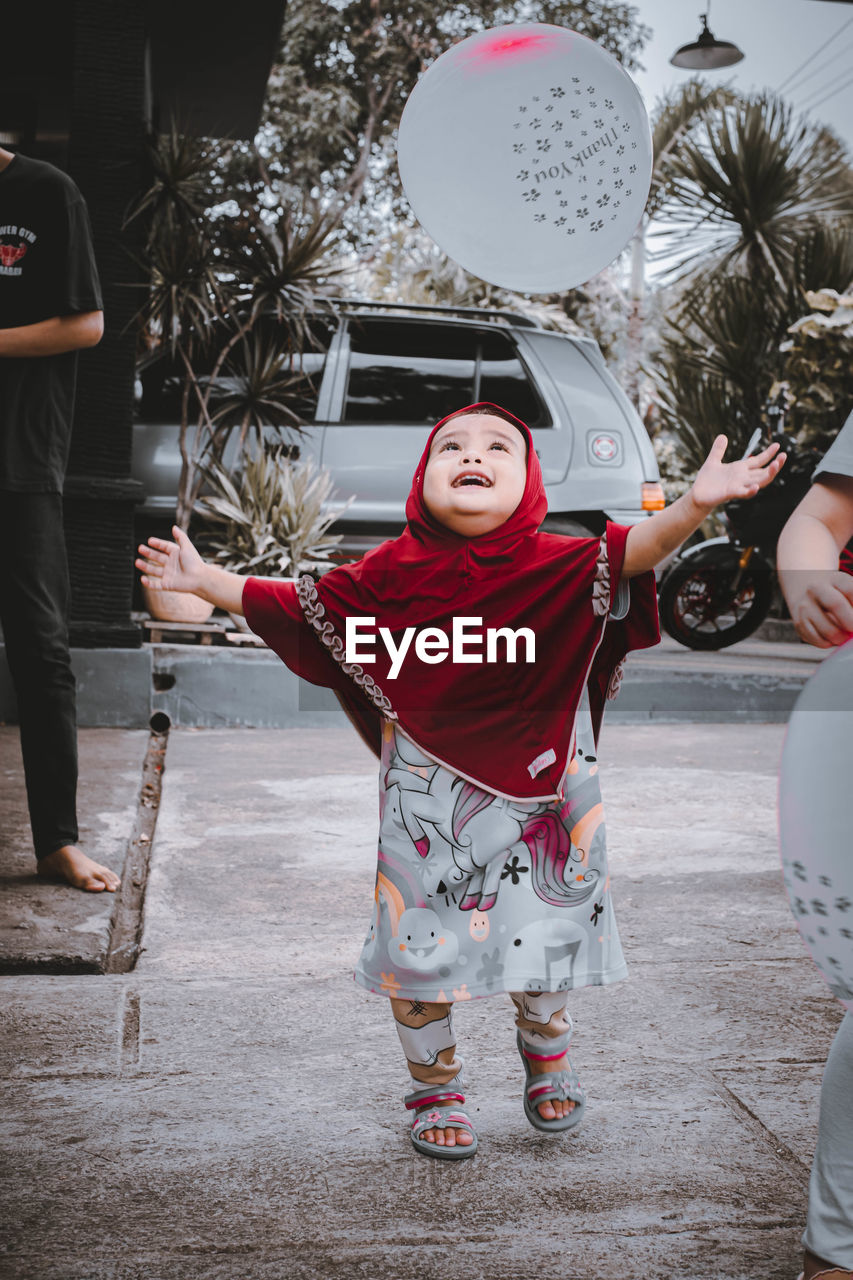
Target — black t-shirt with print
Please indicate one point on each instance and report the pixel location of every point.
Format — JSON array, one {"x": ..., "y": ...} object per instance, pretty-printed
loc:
[{"x": 47, "y": 268}]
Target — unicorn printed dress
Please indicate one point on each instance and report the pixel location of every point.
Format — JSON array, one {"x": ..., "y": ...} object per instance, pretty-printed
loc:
[{"x": 478, "y": 894}]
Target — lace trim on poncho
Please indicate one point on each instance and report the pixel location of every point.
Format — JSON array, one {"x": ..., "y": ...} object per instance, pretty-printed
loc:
[
  {"x": 601, "y": 585},
  {"x": 615, "y": 680},
  {"x": 315, "y": 614},
  {"x": 601, "y": 604}
]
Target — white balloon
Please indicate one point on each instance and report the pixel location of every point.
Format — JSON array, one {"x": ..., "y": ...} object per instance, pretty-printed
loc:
[
  {"x": 525, "y": 152},
  {"x": 816, "y": 819}
]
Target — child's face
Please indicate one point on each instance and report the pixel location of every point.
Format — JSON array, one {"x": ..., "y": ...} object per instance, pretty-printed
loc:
[{"x": 475, "y": 474}]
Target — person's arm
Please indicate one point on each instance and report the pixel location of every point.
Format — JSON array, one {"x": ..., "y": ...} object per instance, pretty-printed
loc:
[
  {"x": 819, "y": 596},
  {"x": 656, "y": 538},
  {"x": 177, "y": 566},
  {"x": 53, "y": 337}
]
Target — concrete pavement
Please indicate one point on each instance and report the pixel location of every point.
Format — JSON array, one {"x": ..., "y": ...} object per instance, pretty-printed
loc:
[
  {"x": 756, "y": 681},
  {"x": 43, "y": 925},
  {"x": 231, "y": 1108}
]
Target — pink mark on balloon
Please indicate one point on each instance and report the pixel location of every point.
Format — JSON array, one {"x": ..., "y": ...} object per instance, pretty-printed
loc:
[
  {"x": 523, "y": 47},
  {"x": 508, "y": 45}
]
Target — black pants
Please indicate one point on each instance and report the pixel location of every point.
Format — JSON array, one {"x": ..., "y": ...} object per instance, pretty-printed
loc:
[{"x": 34, "y": 596}]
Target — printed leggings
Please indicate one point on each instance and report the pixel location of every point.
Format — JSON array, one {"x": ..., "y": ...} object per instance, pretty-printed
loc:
[{"x": 426, "y": 1032}]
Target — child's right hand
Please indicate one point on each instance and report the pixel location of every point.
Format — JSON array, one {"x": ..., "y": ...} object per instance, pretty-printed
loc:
[{"x": 171, "y": 566}]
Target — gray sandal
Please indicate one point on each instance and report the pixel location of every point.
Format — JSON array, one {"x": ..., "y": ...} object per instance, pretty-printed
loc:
[
  {"x": 562, "y": 1086},
  {"x": 438, "y": 1109}
]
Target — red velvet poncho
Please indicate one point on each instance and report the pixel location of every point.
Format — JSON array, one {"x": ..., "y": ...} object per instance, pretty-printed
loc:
[{"x": 508, "y": 727}]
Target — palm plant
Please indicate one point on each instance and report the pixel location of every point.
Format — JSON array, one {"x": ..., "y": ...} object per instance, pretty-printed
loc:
[
  {"x": 232, "y": 299},
  {"x": 179, "y": 192},
  {"x": 761, "y": 208},
  {"x": 282, "y": 259},
  {"x": 715, "y": 359},
  {"x": 273, "y": 517},
  {"x": 259, "y": 384},
  {"x": 744, "y": 192}
]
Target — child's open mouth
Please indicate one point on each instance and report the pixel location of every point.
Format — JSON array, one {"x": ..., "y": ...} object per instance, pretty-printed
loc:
[{"x": 472, "y": 477}]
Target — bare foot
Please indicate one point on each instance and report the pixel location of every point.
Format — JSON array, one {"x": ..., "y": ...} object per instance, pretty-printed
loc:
[
  {"x": 553, "y": 1108},
  {"x": 74, "y": 867}
]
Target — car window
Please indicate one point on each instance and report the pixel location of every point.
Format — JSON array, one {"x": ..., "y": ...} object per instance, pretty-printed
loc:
[
  {"x": 401, "y": 372},
  {"x": 160, "y": 384},
  {"x": 307, "y": 369},
  {"x": 505, "y": 381}
]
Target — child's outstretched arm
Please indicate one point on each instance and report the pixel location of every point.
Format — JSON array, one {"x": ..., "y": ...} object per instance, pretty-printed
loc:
[
  {"x": 177, "y": 566},
  {"x": 654, "y": 539}
]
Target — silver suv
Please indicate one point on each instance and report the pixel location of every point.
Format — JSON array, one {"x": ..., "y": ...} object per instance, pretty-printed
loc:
[{"x": 386, "y": 374}]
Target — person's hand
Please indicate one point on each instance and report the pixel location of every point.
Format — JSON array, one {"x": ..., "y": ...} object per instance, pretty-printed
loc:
[
  {"x": 823, "y": 616},
  {"x": 719, "y": 481},
  {"x": 171, "y": 566}
]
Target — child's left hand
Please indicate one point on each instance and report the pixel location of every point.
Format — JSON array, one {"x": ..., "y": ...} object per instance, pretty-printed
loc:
[{"x": 719, "y": 481}]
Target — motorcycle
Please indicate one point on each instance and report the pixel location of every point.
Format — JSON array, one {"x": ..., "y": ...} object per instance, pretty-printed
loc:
[{"x": 720, "y": 590}]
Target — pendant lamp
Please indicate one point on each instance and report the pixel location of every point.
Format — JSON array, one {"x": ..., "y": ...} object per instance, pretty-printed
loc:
[{"x": 706, "y": 53}]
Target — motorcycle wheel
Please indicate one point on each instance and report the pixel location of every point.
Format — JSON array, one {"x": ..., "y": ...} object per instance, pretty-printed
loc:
[{"x": 699, "y": 607}]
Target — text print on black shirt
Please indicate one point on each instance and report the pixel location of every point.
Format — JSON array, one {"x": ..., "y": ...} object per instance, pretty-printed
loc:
[{"x": 14, "y": 242}]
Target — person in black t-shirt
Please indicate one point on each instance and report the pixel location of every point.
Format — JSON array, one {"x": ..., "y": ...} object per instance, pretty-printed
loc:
[{"x": 50, "y": 307}]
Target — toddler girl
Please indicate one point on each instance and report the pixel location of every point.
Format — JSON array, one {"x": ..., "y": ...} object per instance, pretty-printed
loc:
[{"x": 474, "y": 654}]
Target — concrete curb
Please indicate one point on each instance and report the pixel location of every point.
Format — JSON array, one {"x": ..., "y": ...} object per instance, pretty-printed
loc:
[{"x": 206, "y": 686}]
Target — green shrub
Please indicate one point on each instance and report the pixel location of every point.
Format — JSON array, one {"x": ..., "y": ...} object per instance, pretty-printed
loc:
[{"x": 817, "y": 376}]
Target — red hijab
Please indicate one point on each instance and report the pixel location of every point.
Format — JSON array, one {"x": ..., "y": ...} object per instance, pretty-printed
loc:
[{"x": 508, "y": 727}]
